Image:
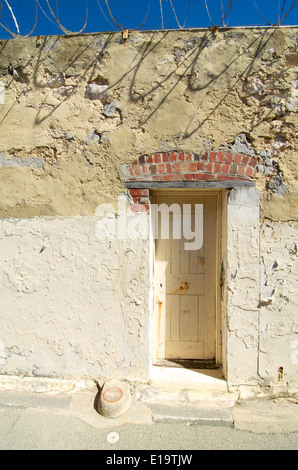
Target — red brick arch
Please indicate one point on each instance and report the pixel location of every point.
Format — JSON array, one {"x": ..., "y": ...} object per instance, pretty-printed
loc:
[{"x": 184, "y": 166}]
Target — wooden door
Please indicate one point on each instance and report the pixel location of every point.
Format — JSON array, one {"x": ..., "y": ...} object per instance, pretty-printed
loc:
[{"x": 186, "y": 281}]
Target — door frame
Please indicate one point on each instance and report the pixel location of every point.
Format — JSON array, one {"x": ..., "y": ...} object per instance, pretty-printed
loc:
[{"x": 158, "y": 323}]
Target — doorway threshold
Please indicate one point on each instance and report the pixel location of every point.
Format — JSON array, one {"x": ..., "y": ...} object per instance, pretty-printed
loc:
[
  {"x": 180, "y": 378},
  {"x": 186, "y": 363}
]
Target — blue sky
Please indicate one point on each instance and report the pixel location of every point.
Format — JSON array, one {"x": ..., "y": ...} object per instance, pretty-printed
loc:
[{"x": 166, "y": 13}]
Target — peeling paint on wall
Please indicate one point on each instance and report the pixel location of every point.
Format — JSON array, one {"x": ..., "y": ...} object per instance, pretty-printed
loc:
[
  {"x": 236, "y": 91},
  {"x": 78, "y": 306},
  {"x": 77, "y": 111}
]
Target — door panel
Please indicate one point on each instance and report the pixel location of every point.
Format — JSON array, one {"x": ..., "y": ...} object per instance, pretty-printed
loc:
[{"x": 185, "y": 285}]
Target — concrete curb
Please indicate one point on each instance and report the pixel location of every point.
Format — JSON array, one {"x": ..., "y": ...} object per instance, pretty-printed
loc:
[
  {"x": 267, "y": 416},
  {"x": 279, "y": 415},
  {"x": 192, "y": 416}
]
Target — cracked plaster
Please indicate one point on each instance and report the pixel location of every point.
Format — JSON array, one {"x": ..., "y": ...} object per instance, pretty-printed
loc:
[{"x": 76, "y": 109}]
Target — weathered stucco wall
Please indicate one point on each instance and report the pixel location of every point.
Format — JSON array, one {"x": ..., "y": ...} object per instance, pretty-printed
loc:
[
  {"x": 77, "y": 107},
  {"x": 73, "y": 304},
  {"x": 74, "y": 110},
  {"x": 278, "y": 304},
  {"x": 243, "y": 219}
]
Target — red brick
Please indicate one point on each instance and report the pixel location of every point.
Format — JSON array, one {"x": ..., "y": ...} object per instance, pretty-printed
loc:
[
  {"x": 149, "y": 159},
  {"x": 192, "y": 166},
  {"x": 168, "y": 167},
  {"x": 139, "y": 192},
  {"x": 181, "y": 157},
  {"x": 233, "y": 168},
  {"x": 237, "y": 159},
  {"x": 176, "y": 167},
  {"x": 153, "y": 169},
  {"x": 225, "y": 167},
  {"x": 157, "y": 158},
  {"x": 245, "y": 159},
  {"x": 198, "y": 176},
  {"x": 216, "y": 167},
  {"x": 165, "y": 157},
  {"x": 208, "y": 167},
  {"x": 156, "y": 177},
  {"x": 252, "y": 162},
  {"x": 208, "y": 177},
  {"x": 220, "y": 157},
  {"x": 200, "y": 166},
  {"x": 137, "y": 171},
  {"x": 229, "y": 158},
  {"x": 161, "y": 168},
  {"x": 212, "y": 156},
  {"x": 202, "y": 176},
  {"x": 173, "y": 156},
  {"x": 173, "y": 177},
  {"x": 225, "y": 178},
  {"x": 184, "y": 167},
  {"x": 240, "y": 170},
  {"x": 204, "y": 156},
  {"x": 188, "y": 177},
  {"x": 131, "y": 171},
  {"x": 145, "y": 170},
  {"x": 248, "y": 171},
  {"x": 188, "y": 157}
]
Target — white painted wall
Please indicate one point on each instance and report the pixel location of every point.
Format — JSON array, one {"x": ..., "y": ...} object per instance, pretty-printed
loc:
[
  {"x": 78, "y": 308},
  {"x": 82, "y": 306},
  {"x": 243, "y": 285},
  {"x": 262, "y": 301}
]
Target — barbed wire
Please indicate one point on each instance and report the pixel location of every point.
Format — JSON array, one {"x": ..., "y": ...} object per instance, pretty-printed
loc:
[
  {"x": 16, "y": 22},
  {"x": 56, "y": 17},
  {"x": 11, "y": 22},
  {"x": 122, "y": 27},
  {"x": 280, "y": 12}
]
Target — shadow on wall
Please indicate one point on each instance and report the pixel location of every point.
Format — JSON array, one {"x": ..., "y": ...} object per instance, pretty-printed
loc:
[
  {"x": 187, "y": 57},
  {"x": 18, "y": 71},
  {"x": 190, "y": 59}
]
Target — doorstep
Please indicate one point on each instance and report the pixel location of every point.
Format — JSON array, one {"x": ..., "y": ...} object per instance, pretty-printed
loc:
[
  {"x": 188, "y": 396},
  {"x": 171, "y": 378}
]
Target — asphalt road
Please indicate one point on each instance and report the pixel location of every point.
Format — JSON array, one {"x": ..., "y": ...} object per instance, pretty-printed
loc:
[{"x": 37, "y": 429}]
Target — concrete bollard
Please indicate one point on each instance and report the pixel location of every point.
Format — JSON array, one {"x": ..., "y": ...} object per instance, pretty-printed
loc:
[{"x": 114, "y": 399}]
